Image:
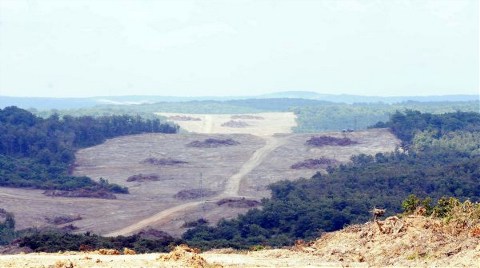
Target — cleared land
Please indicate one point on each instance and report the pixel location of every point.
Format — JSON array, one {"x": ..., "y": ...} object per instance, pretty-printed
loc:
[
  {"x": 257, "y": 124},
  {"x": 225, "y": 173},
  {"x": 413, "y": 241}
]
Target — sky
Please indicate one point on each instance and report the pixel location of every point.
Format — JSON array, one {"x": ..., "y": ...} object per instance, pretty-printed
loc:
[{"x": 87, "y": 48}]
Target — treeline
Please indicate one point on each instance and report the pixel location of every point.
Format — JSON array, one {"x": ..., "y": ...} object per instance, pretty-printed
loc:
[
  {"x": 312, "y": 115},
  {"x": 410, "y": 123},
  {"x": 54, "y": 240},
  {"x": 305, "y": 208},
  {"x": 39, "y": 152},
  {"x": 334, "y": 116}
]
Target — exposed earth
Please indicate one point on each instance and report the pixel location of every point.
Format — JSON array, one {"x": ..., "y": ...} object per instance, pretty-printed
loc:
[
  {"x": 413, "y": 241},
  {"x": 164, "y": 174}
]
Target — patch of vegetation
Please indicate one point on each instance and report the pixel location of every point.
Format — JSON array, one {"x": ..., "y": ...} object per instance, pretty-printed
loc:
[
  {"x": 58, "y": 220},
  {"x": 464, "y": 214},
  {"x": 195, "y": 223},
  {"x": 143, "y": 177},
  {"x": 163, "y": 161},
  {"x": 305, "y": 208},
  {"x": 238, "y": 203},
  {"x": 322, "y": 162},
  {"x": 235, "y": 124},
  {"x": 194, "y": 193},
  {"x": 39, "y": 153},
  {"x": 55, "y": 240},
  {"x": 213, "y": 143},
  {"x": 7, "y": 227},
  {"x": 319, "y": 141},
  {"x": 338, "y": 116}
]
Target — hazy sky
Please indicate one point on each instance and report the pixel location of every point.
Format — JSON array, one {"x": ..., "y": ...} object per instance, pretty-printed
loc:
[{"x": 233, "y": 47}]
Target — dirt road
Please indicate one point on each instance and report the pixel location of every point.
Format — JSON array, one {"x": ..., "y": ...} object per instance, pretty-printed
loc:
[
  {"x": 208, "y": 124},
  {"x": 233, "y": 184},
  {"x": 163, "y": 215},
  {"x": 231, "y": 189}
]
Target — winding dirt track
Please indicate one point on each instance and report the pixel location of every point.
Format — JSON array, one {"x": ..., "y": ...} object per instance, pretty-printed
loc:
[
  {"x": 233, "y": 184},
  {"x": 231, "y": 189}
]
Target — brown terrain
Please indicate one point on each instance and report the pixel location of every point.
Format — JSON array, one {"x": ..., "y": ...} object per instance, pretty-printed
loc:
[
  {"x": 410, "y": 241},
  {"x": 172, "y": 182},
  {"x": 179, "y": 178},
  {"x": 218, "y": 173}
]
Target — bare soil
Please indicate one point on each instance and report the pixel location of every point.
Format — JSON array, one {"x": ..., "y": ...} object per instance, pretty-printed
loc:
[
  {"x": 414, "y": 241},
  {"x": 235, "y": 123},
  {"x": 228, "y": 172},
  {"x": 259, "y": 124}
]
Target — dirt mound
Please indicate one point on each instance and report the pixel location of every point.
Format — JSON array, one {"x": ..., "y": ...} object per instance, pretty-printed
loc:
[
  {"x": 183, "y": 118},
  {"x": 189, "y": 257},
  {"x": 162, "y": 161},
  {"x": 408, "y": 241},
  {"x": 58, "y": 220},
  {"x": 143, "y": 177},
  {"x": 247, "y": 116},
  {"x": 194, "y": 194},
  {"x": 80, "y": 193},
  {"x": 213, "y": 143},
  {"x": 238, "y": 203},
  {"x": 322, "y": 162},
  {"x": 319, "y": 141},
  {"x": 235, "y": 124}
]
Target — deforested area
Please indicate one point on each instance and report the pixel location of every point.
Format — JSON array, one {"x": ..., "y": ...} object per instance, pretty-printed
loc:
[{"x": 291, "y": 133}]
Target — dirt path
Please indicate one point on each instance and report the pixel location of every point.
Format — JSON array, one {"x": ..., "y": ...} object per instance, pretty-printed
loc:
[
  {"x": 162, "y": 215},
  {"x": 231, "y": 189},
  {"x": 208, "y": 124},
  {"x": 233, "y": 184}
]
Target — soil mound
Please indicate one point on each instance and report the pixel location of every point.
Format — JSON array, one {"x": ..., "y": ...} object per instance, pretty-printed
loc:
[
  {"x": 58, "y": 220},
  {"x": 314, "y": 163},
  {"x": 235, "y": 124},
  {"x": 408, "y": 241},
  {"x": 194, "y": 194},
  {"x": 80, "y": 193},
  {"x": 142, "y": 177},
  {"x": 238, "y": 203},
  {"x": 162, "y": 161},
  {"x": 247, "y": 116},
  {"x": 319, "y": 141},
  {"x": 188, "y": 257},
  {"x": 213, "y": 143}
]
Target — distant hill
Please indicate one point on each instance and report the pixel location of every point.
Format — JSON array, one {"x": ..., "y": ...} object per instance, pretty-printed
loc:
[
  {"x": 75, "y": 103},
  {"x": 346, "y": 98}
]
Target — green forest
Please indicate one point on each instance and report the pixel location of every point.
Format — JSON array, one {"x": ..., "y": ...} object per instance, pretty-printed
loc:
[
  {"x": 439, "y": 156},
  {"x": 444, "y": 165},
  {"x": 312, "y": 115},
  {"x": 39, "y": 152}
]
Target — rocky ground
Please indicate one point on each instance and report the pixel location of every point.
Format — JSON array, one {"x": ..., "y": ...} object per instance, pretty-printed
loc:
[{"x": 413, "y": 241}]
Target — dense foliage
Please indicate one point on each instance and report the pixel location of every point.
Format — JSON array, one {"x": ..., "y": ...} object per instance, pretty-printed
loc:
[
  {"x": 39, "y": 153},
  {"x": 304, "y": 208},
  {"x": 324, "y": 117},
  {"x": 7, "y": 227},
  {"x": 54, "y": 241}
]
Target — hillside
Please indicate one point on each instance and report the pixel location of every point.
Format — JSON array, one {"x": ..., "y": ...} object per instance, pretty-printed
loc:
[
  {"x": 413, "y": 241},
  {"x": 171, "y": 182}
]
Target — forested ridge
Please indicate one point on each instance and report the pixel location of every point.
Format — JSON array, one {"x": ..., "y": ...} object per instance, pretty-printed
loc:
[
  {"x": 39, "y": 152},
  {"x": 312, "y": 115},
  {"x": 443, "y": 165}
]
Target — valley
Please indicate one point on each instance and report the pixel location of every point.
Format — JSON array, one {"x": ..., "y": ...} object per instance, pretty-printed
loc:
[{"x": 172, "y": 182}]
